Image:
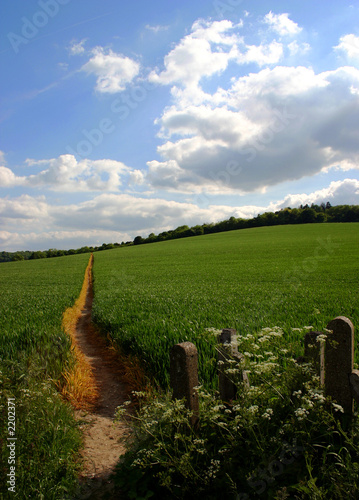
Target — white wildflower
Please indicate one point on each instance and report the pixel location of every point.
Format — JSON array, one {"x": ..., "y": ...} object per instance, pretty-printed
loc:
[
  {"x": 321, "y": 338},
  {"x": 268, "y": 413},
  {"x": 338, "y": 407},
  {"x": 301, "y": 413}
]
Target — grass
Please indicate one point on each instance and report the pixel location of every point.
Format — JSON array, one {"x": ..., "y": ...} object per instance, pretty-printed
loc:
[
  {"x": 150, "y": 297},
  {"x": 34, "y": 353}
]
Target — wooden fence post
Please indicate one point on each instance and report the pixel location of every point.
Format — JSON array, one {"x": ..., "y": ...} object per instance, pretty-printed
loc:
[
  {"x": 184, "y": 376},
  {"x": 339, "y": 361},
  {"x": 227, "y": 351},
  {"x": 315, "y": 352}
]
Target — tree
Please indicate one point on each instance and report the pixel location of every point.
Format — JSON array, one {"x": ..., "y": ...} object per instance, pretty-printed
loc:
[
  {"x": 138, "y": 240},
  {"x": 308, "y": 215},
  {"x": 17, "y": 256}
]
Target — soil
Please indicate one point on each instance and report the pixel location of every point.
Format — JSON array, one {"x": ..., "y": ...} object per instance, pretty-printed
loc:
[{"x": 103, "y": 438}]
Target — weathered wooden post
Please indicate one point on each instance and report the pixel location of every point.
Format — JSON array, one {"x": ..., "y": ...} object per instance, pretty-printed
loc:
[
  {"x": 184, "y": 376},
  {"x": 227, "y": 351},
  {"x": 354, "y": 383},
  {"x": 314, "y": 351},
  {"x": 339, "y": 361}
]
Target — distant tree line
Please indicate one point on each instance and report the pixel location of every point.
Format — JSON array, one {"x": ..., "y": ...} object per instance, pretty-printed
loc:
[
  {"x": 53, "y": 252},
  {"x": 306, "y": 214},
  {"x": 303, "y": 215}
]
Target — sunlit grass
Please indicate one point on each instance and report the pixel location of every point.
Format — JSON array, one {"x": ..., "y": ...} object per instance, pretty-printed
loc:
[{"x": 79, "y": 387}]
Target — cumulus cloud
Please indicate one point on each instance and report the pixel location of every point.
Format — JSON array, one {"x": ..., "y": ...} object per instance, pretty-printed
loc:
[
  {"x": 281, "y": 24},
  {"x": 344, "y": 192},
  {"x": 113, "y": 71},
  {"x": 263, "y": 54},
  {"x": 276, "y": 125},
  {"x": 208, "y": 50},
  {"x": 279, "y": 124},
  {"x": 65, "y": 173},
  {"x": 349, "y": 44},
  {"x": 204, "y": 52},
  {"x": 8, "y": 178},
  {"x": 23, "y": 209}
]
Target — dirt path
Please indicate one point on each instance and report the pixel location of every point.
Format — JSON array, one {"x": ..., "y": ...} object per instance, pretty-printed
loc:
[{"x": 102, "y": 446}]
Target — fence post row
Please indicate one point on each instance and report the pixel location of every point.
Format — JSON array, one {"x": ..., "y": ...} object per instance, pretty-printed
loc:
[
  {"x": 334, "y": 360},
  {"x": 315, "y": 352},
  {"x": 228, "y": 350},
  {"x": 339, "y": 362},
  {"x": 184, "y": 376}
]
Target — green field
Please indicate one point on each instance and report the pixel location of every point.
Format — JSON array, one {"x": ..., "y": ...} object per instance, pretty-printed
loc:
[
  {"x": 150, "y": 297},
  {"x": 34, "y": 351}
]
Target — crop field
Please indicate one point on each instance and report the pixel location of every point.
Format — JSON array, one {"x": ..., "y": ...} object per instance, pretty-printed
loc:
[
  {"x": 34, "y": 351},
  {"x": 149, "y": 297}
]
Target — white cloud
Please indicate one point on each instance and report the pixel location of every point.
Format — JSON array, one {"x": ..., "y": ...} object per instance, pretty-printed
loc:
[
  {"x": 204, "y": 52},
  {"x": 350, "y": 45},
  {"x": 344, "y": 192},
  {"x": 261, "y": 54},
  {"x": 276, "y": 125},
  {"x": 66, "y": 174},
  {"x": 208, "y": 50},
  {"x": 282, "y": 24},
  {"x": 77, "y": 48},
  {"x": 23, "y": 208},
  {"x": 8, "y": 178},
  {"x": 113, "y": 71}
]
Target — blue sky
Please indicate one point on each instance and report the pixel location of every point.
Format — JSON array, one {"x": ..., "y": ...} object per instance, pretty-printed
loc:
[{"x": 121, "y": 119}]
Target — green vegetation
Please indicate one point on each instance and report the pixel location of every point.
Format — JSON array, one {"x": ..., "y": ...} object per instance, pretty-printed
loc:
[
  {"x": 281, "y": 438},
  {"x": 149, "y": 297},
  {"x": 34, "y": 351}
]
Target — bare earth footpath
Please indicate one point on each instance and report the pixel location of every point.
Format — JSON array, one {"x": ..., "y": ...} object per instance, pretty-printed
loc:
[{"x": 102, "y": 436}]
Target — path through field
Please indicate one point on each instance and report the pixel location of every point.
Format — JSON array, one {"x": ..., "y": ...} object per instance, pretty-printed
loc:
[{"x": 102, "y": 446}]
